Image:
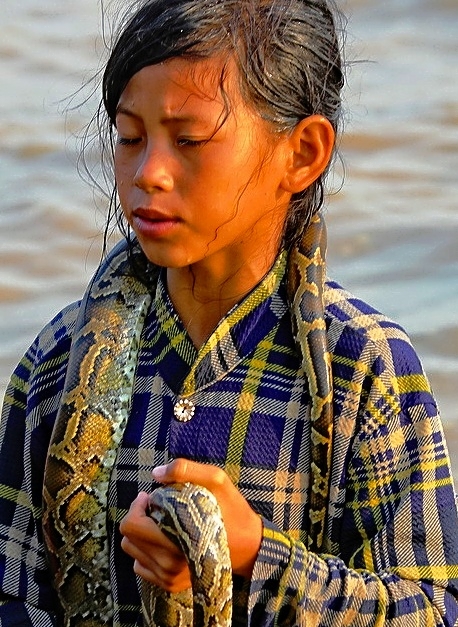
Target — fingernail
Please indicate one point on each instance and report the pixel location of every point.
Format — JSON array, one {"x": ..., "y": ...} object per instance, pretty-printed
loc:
[{"x": 159, "y": 472}]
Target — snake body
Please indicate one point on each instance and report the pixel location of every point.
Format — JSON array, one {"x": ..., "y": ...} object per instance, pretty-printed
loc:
[
  {"x": 89, "y": 427},
  {"x": 190, "y": 516}
]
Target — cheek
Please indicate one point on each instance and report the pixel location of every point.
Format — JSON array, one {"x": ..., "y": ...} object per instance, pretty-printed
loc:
[
  {"x": 124, "y": 163},
  {"x": 117, "y": 168},
  {"x": 123, "y": 176},
  {"x": 122, "y": 184}
]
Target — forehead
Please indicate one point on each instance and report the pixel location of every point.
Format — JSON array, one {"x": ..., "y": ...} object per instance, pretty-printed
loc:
[{"x": 183, "y": 83}]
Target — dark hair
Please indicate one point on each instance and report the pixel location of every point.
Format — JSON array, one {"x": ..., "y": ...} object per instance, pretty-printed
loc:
[{"x": 287, "y": 53}]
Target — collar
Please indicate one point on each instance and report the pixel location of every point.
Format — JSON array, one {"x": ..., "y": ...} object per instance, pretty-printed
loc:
[{"x": 187, "y": 370}]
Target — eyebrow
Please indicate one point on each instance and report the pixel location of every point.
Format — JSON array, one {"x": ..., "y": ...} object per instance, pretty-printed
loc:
[
  {"x": 120, "y": 109},
  {"x": 176, "y": 117}
]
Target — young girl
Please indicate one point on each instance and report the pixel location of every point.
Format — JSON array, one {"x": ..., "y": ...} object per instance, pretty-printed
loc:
[{"x": 210, "y": 348}]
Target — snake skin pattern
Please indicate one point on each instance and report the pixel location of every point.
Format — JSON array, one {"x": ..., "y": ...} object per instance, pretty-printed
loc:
[
  {"x": 306, "y": 276},
  {"x": 90, "y": 424},
  {"x": 190, "y": 516}
]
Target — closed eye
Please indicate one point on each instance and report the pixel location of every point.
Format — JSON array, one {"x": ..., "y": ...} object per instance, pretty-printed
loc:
[
  {"x": 126, "y": 141},
  {"x": 185, "y": 141}
]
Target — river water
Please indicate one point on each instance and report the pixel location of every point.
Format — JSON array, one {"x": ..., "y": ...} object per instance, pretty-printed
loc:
[{"x": 393, "y": 227}]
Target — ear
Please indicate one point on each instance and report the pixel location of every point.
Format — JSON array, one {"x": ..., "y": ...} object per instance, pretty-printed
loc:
[{"x": 310, "y": 147}]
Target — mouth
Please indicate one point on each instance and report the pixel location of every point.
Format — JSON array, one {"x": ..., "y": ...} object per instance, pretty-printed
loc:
[{"x": 152, "y": 223}]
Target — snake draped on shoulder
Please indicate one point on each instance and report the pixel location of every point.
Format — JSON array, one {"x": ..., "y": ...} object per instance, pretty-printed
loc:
[{"x": 90, "y": 425}]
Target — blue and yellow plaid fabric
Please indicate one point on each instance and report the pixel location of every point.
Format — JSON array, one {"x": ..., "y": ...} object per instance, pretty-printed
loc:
[{"x": 392, "y": 524}]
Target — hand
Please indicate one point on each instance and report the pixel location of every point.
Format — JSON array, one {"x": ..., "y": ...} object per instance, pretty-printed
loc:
[
  {"x": 158, "y": 560},
  {"x": 244, "y": 539}
]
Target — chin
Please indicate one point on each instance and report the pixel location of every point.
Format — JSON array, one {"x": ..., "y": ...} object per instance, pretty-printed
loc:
[{"x": 165, "y": 260}]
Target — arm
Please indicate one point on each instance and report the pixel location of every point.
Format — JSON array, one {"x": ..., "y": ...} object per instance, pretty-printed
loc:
[
  {"x": 397, "y": 544},
  {"x": 291, "y": 586},
  {"x": 22, "y": 560},
  {"x": 20, "y": 614},
  {"x": 27, "y": 596}
]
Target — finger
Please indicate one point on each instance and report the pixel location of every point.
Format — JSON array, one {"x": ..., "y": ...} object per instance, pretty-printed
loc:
[
  {"x": 184, "y": 470},
  {"x": 139, "y": 505},
  {"x": 155, "y": 558},
  {"x": 137, "y": 517},
  {"x": 170, "y": 582},
  {"x": 142, "y": 534},
  {"x": 138, "y": 509}
]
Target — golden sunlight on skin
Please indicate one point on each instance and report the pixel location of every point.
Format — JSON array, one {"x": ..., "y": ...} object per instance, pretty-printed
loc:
[
  {"x": 205, "y": 190},
  {"x": 190, "y": 181}
]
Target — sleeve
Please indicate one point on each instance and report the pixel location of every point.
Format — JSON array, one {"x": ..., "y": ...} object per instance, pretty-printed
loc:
[
  {"x": 20, "y": 614},
  {"x": 395, "y": 562},
  {"x": 27, "y": 597}
]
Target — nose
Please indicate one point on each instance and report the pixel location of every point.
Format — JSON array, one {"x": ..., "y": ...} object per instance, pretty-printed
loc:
[{"x": 154, "y": 171}]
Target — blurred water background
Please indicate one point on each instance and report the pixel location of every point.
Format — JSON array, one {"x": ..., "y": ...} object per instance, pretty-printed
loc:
[{"x": 393, "y": 227}]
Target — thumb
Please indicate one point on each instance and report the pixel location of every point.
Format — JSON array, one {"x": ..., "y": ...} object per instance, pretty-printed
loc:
[{"x": 184, "y": 470}]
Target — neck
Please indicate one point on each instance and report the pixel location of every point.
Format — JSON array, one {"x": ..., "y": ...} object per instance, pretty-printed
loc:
[{"x": 202, "y": 296}]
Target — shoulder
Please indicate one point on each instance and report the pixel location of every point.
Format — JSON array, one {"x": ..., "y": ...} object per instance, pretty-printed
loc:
[
  {"x": 48, "y": 354},
  {"x": 56, "y": 336},
  {"x": 36, "y": 384},
  {"x": 345, "y": 312},
  {"x": 379, "y": 384},
  {"x": 366, "y": 342}
]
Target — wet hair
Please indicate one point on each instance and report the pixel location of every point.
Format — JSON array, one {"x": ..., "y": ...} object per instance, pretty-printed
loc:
[{"x": 287, "y": 53}]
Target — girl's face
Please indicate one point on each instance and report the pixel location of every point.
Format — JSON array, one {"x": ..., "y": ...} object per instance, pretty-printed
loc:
[{"x": 196, "y": 185}]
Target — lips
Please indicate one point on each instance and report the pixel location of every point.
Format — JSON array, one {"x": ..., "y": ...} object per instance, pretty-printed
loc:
[
  {"x": 154, "y": 215},
  {"x": 152, "y": 223}
]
